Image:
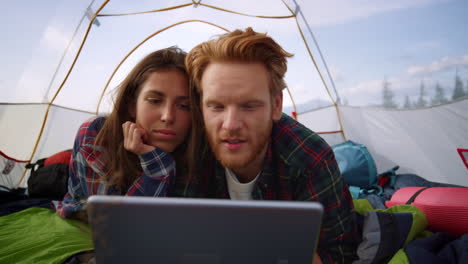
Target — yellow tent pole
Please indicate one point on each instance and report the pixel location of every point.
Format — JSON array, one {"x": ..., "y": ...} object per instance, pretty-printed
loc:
[
  {"x": 293, "y": 103},
  {"x": 195, "y": 4},
  {"x": 141, "y": 43},
  {"x": 323, "y": 81},
  {"x": 319, "y": 72},
  {"x": 147, "y": 12},
  {"x": 243, "y": 14},
  {"x": 41, "y": 131}
]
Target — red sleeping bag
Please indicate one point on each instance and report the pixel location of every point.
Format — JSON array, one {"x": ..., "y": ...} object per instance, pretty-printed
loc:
[{"x": 446, "y": 208}]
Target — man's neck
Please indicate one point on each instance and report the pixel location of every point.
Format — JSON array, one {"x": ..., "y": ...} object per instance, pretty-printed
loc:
[{"x": 248, "y": 173}]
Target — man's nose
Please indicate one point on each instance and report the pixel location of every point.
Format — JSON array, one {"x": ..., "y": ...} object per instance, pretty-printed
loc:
[{"x": 232, "y": 120}]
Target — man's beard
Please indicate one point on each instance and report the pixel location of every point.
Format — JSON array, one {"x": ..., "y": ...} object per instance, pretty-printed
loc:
[{"x": 237, "y": 163}]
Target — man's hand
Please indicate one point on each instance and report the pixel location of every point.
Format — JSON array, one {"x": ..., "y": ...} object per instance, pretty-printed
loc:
[{"x": 134, "y": 138}]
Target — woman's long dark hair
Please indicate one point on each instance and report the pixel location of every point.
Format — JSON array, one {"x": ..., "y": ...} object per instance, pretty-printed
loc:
[{"x": 123, "y": 167}]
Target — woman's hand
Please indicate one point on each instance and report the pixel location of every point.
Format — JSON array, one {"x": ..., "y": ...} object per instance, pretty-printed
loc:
[{"x": 134, "y": 138}]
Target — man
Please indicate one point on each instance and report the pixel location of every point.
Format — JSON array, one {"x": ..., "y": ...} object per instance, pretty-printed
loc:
[{"x": 255, "y": 151}]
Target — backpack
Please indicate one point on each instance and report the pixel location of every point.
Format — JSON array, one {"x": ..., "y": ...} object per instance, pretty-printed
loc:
[
  {"x": 49, "y": 176},
  {"x": 359, "y": 170}
]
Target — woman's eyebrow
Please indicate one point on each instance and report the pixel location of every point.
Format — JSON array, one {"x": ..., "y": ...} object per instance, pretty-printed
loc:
[
  {"x": 162, "y": 94},
  {"x": 155, "y": 92}
]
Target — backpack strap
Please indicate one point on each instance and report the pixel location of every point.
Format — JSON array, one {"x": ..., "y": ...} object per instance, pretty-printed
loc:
[
  {"x": 413, "y": 197},
  {"x": 388, "y": 177},
  {"x": 36, "y": 165},
  {"x": 357, "y": 192},
  {"x": 375, "y": 189}
]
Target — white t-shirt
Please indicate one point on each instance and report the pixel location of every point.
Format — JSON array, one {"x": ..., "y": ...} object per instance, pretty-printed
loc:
[{"x": 238, "y": 190}]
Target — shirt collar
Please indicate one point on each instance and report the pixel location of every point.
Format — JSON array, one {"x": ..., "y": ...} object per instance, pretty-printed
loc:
[{"x": 265, "y": 183}]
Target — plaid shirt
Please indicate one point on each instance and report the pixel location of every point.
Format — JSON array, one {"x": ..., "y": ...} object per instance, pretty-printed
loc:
[
  {"x": 299, "y": 165},
  {"x": 87, "y": 168}
]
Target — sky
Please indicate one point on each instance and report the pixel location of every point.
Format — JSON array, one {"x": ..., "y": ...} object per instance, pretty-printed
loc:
[
  {"x": 363, "y": 42},
  {"x": 404, "y": 42}
]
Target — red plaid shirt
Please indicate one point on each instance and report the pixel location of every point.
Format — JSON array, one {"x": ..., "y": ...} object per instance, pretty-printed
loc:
[{"x": 299, "y": 165}]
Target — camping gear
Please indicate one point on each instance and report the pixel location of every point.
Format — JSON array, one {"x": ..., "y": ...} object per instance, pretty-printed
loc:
[
  {"x": 49, "y": 176},
  {"x": 356, "y": 164},
  {"x": 446, "y": 208},
  {"x": 359, "y": 170},
  {"x": 39, "y": 235}
]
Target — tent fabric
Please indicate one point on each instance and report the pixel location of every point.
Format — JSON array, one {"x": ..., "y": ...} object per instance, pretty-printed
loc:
[
  {"x": 61, "y": 83},
  {"x": 422, "y": 141},
  {"x": 68, "y": 66}
]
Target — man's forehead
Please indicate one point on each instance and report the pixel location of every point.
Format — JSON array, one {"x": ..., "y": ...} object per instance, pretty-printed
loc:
[
  {"x": 233, "y": 68},
  {"x": 235, "y": 74}
]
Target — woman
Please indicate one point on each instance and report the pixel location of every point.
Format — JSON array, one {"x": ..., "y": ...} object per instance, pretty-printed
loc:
[{"x": 127, "y": 153}]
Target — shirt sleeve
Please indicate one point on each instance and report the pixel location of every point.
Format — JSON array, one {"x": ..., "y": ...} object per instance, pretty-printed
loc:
[
  {"x": 75, "y": 198},
  {"x": 159, "y": 170},
  {"x": 323, "y": 183},
  {"x": 83, "y": 180}
]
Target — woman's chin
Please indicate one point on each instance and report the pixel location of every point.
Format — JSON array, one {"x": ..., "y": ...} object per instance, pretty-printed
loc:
[{"x": 163, "y": 146}]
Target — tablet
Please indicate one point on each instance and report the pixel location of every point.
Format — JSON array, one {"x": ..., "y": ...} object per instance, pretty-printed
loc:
[{"x": 208, "y": 231}]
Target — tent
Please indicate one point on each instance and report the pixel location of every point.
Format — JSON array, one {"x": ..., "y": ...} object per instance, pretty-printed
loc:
[{"x": 62, "y": 59}]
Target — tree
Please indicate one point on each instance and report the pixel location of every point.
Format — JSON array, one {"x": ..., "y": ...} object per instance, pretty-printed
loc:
[
  {"x": 387, "y": 95},
  {"x": 407, "y": 103},
  {"x": 422, "y": 94},
  {"x": 466, "y": 85},
  {"x": 458, "y": 90},
  {"x": 439, "y": 96}
]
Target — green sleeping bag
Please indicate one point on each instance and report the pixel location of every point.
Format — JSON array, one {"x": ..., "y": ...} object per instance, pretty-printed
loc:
[{"x": 39, "y": 235}]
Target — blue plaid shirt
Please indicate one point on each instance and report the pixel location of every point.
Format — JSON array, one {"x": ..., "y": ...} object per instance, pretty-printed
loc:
[{"x": 87, "y": 168}]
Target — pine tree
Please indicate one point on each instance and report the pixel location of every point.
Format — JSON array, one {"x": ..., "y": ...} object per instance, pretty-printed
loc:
[
  {"x": 422, "y": 94},
  {"x": 466, "y": 85},
  {"x": 387, "y": 95},
  {"x": 439, "y": 96},
  {"x": 407, "y": 104},
  {"x": 458, "y": 90}
]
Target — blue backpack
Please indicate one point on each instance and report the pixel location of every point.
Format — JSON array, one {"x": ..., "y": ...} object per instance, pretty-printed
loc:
[{"x": 358, "y": 169}]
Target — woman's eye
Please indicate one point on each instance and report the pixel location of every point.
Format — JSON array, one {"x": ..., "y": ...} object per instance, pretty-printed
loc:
[
  {"x": 184, "y": 107},
  {"x": 154, "y": 100}
]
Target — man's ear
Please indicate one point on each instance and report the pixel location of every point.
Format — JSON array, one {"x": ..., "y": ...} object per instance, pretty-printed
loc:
[{"x": 277, "y": 106}]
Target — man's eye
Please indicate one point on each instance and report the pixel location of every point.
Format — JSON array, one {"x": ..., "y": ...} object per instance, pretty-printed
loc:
[
  {"x": 215, "y": 107},
  {"x": 249, "y": 107}
]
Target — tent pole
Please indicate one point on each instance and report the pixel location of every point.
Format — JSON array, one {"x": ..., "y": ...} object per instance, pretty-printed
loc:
[
  {"x": 141, "y": 43},
  {"x": 41, "y": 131},
  {"x": 315, "y": 63}
]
